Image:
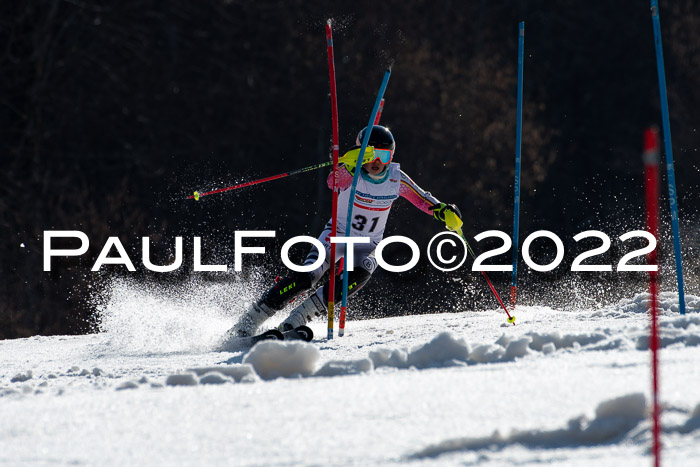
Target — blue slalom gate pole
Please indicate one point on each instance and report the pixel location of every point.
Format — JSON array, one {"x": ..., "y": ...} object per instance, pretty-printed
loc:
[
  {"x": 516, "y": 186},
  {"x": 356, "y": 177},
  {"x": 673, "y": 200}
]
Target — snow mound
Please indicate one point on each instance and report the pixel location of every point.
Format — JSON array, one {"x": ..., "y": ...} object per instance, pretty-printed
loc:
[
  {"x": 5, "y": 392},
  {"x": 567, "y": 341},
  {"x": 692, "y": 424},
  {"x": 345, "y": 367},
  {"x": 619, "y": 420},
  {"x": 22, "y": 377},
  {"x": 641, "y": 303},
  {"x": 214, "y": 378},
  {"x": 395, "y": 358},
  {"x": 442, "y": 349},
  {"x": 239, "y": 373},
  {"x": 182, "y": 379},
  {"x": 292, "y": 359},
  {"x": 629, "y": 406},
  {"x": 683, "y": 330},
  {"x": 272, "y": 359},
  {"x": 127, "y": 385},
  {"x": 219, "y": 374},
  {"x": 613, "y": 420}
]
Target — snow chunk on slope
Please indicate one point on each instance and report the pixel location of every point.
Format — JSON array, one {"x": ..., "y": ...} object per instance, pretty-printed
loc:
[
  {"x": 239, "y": 373},
  {"x": 631, "y": 405},
  {"x": 567, "y": 341},
  {"x": 214, "y": 378},
  {"x": 283, "y": 359},
  {"x": 128, "y": 385},
  {"x": 184, "y": 379},
  {"x": 447, "y": 350},
  {"x": 22, "y": 377},
  {"x": 692, "y": 424},
  {"x": 274, "y": 359},
  {"x": 345, "y": 367},
  {"x": 444, "y": 348},
  {"x": 396, "y": 358},
  {"x": 614, "y": 419}
]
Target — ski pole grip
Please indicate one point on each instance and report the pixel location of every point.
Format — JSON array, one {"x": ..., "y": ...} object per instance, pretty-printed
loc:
[{"x": 452, "y": 221}]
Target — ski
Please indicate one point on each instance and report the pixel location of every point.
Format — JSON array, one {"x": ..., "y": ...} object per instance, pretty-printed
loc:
[
  {"x": 303, "y": 333},
  {"x": 272, "y": 334},
  {"x": 231, "y": 343}
]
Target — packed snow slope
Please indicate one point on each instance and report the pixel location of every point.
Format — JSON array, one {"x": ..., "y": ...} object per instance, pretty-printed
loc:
[{"x": 155, "y": 387}]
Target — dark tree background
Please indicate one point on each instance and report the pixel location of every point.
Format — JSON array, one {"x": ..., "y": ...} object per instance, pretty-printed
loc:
[{"x": 112, "y": 113}]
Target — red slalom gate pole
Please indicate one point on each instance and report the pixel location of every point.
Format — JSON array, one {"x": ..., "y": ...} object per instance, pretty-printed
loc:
[
  {"x": 651, "y": 189},
  {"x": 379, "y": 112},
  {"x": 336, "y": 149}
]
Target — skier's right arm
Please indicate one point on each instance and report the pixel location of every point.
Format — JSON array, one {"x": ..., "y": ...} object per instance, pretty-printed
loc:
[
  {"x": 348, "y": 163},
  {"x": 344, "y": 178}
]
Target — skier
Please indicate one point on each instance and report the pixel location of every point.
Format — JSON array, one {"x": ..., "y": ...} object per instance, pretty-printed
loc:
[{"x": 381, "y": 183}]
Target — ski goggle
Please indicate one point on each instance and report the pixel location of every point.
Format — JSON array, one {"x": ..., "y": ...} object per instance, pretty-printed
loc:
[{"x": 382, "y": 155}]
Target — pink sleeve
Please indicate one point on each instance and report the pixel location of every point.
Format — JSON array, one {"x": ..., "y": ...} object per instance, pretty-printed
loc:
[
  {"x": 416, "y": 195},
  {"x": 344, "y": 179}
]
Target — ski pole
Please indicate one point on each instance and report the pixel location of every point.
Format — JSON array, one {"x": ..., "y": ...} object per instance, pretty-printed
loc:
[
  {"x": 198, "y": 195},
  {"x": 356, "y": 177},
  {"x": 457, "y": 221},
  {"x": 343, "y": 159},
  {"x": 516, "y": 186},
  {"x": 336, "y": 148}
]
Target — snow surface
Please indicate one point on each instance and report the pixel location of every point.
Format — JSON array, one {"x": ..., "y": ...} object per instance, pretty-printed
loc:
[{"x": 153, "y": 388}]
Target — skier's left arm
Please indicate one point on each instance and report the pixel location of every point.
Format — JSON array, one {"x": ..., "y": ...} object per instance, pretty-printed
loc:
[
  {"x": 425, "y": 201},
  {"x": 416, "y": 195}
]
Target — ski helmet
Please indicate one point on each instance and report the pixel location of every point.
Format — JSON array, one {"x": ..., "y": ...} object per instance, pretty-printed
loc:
[{"x": 380, "y": 138}]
